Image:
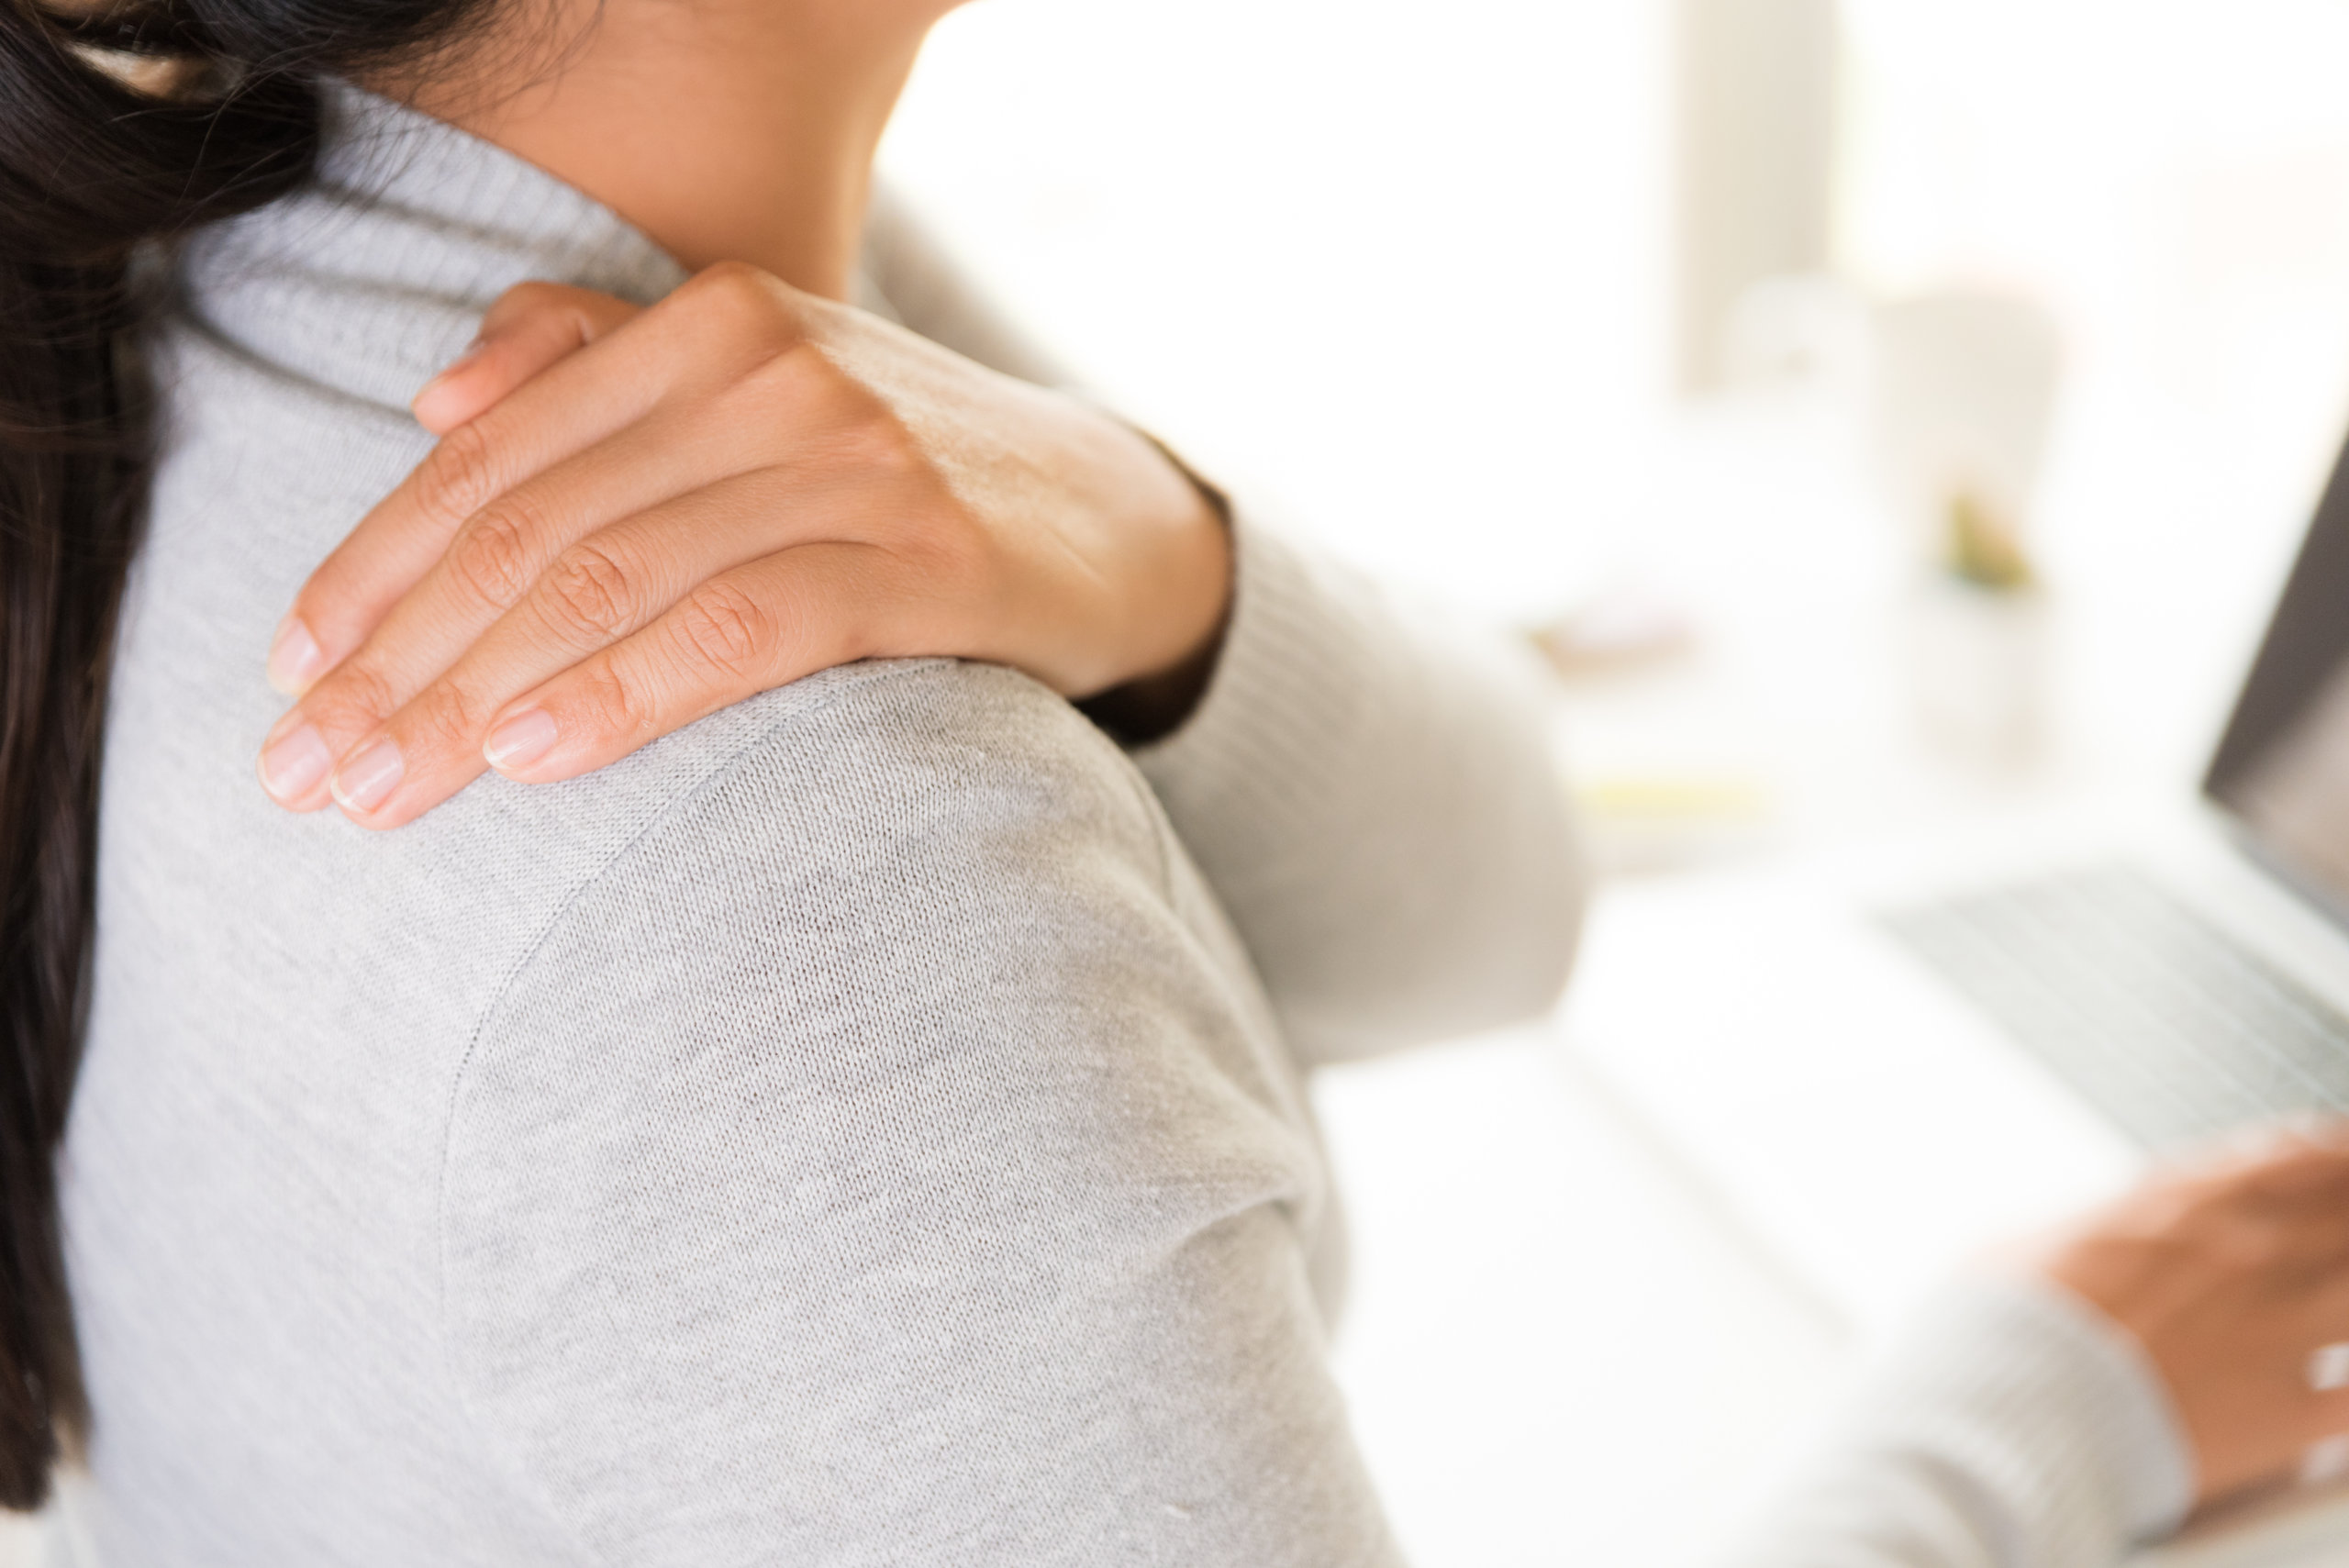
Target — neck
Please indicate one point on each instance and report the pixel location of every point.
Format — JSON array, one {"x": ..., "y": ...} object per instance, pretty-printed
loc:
[{"x": 727, "y": 130}]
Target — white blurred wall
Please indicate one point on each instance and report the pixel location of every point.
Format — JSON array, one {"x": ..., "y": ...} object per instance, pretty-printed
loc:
[
  {"x": 1754, "y": 117},
  {"x": 1412, "y": 265},
  {"x": 1404, "y": 260},
  {"x": 2172, "y": 177}
]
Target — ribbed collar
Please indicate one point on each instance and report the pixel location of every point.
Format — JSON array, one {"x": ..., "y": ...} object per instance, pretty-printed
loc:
[{"x": 371, "y": 279}]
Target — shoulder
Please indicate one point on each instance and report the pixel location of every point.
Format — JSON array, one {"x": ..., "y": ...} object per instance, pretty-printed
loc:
[
  {"x": 931, "y": 802},
  {"x": 820, "y": 1111},
  {"x": 900, "y": 750},
  {"x": 924, "y": 895},
  {"x": 917, "y": 928},
  {"x": 923, "y": 790}
]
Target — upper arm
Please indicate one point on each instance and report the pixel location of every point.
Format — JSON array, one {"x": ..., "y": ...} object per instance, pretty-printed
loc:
[
  {"x": 1372, "y": 793},
  {"x": 874, "y": 1166}
]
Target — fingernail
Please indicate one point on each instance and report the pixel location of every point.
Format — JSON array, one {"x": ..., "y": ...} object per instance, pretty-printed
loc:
[
  {"x": 424, "y": 393},
  {"x": 291, "y": 768},
  {"x": 285, "y": 726},
  {"x": 363, "y": 782},
  {"x": 520, "y": 740},
  {"x": 295, "y": 659},
  {"x": 472, "y": 352}
]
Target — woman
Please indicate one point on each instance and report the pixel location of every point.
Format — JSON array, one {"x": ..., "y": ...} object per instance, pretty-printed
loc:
[{"x": 864, "y": 1126}]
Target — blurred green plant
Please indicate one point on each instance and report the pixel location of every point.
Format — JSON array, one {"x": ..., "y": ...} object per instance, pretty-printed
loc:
[{"x": 1983, "y": 551}]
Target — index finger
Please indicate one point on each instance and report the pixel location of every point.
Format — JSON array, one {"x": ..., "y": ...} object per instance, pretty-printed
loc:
[{"x": 489, "y": 443}]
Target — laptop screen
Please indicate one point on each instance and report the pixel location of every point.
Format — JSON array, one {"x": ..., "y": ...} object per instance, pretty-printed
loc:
[{"x": 2282, "y": 771}]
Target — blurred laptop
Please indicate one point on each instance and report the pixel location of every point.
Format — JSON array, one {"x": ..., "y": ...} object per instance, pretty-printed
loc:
[{"x": 1878, "y": 1068}]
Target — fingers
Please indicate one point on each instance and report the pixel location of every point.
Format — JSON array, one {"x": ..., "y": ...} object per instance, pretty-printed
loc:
[
  {"x": 2233, "y": 1302},
  {"x": 2299, "y": 1179},
  {"x": 529, "y": 329},
  {"x": 2287, "y": 1200},
  {"x": 569, "y": 415},
  {"x": 725, "y": 319},
  {"x": 750, "y": 624},
  {"x": 2301, "y": 1161},
  {"x": 492, "y": 563},
  {"x": 2305, "y": 1402},
  {"x": 759, "y": 627},
  {"x": 2231, "y": 1272},
  {"x": 564, "y": 411}
]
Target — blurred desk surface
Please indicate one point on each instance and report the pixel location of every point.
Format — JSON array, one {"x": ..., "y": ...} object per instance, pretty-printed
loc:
[{"x": 1556, "y": 1352}]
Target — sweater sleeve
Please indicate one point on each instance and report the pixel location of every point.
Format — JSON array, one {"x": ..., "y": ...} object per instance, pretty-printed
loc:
[
  {"x": 1368, "y": 788},
  {"x": 889, "y": 1161},
  {"x": 2008, "y": 1428},
  {"x": 1370, "y": 791}
]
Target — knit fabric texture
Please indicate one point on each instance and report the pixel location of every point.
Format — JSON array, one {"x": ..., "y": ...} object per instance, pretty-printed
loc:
[
  {"x": 865, "y": 1127},
  {"x": 2007, "y": 1426},
  {"x": 849, "y": 1131}
]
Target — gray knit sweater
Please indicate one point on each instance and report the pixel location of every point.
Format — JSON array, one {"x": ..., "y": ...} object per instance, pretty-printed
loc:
[{"x": 866, "y": 1128}]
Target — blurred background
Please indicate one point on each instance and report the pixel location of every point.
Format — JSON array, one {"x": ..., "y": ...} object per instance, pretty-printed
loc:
[{"x": 1889, "y": 417}]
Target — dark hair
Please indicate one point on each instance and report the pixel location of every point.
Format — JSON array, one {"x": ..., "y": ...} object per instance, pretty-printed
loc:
[{"x": 121, "y": 129}]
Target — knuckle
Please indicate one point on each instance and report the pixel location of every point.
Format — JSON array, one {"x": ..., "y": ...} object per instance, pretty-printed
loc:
[
  {"x": 870, "y": 441},
  {"x": 491, "y": 559},
  {"x": 786, "y": 383},
  {"x": 742, "y": 306},
  {"x": 611, "y": 701},
  {"x": 730, "y": 285},
  {"x": 726, "y": 629},
  {"x": 355, "y": 698},
  {"x": 592, "y": 594},
  {"x": 879, "y": 441},
  {"x": 452, "y": 716},
  {"x": 459, "y": 478}
]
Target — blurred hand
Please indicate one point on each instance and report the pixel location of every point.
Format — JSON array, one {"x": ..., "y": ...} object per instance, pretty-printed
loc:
[
  {"x": 2232, "y": 1274},
  {"x": 636, "y": 518}
]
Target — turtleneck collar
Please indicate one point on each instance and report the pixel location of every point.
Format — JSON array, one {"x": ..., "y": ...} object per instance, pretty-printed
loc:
[{"x": 370, "y": 280}]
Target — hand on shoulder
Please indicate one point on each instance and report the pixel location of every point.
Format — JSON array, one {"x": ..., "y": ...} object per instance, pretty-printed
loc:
[{"x": 636, "y": 518}]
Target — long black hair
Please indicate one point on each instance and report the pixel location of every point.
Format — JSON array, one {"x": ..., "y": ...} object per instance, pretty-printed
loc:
[{"x": 120, "y": 128}]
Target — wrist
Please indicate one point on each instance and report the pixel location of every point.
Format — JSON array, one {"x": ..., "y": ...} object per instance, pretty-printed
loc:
[{"x": 1154, "y": 704}]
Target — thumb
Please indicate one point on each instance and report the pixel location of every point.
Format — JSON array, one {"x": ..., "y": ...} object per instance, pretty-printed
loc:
[{"x": 531, "y": 328}]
